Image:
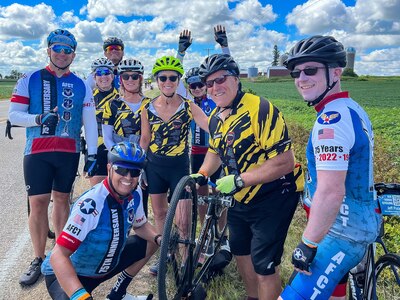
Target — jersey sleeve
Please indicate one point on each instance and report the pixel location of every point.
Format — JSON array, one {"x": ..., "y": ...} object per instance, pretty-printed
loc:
[
  {"x": 89, "y": 121},
  {"x": 139, "y": 218},
  {"x": 332, "y": 139}
]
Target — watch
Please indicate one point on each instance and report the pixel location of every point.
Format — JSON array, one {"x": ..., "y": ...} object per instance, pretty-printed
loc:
[{"x": 239, "y": 183}]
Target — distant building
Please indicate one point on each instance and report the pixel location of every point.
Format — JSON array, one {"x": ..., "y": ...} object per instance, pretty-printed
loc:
[
  {"x": 252, "y": 71},
  {"x": 350, "y": 56},
  {"x": 277, "y": 71}
]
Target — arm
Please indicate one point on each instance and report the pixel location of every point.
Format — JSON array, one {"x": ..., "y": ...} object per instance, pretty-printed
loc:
[
  {"x": 64, "y": 270},
  {"x": 108, "y": 136},
  {"x": 199, "y": 116},
  {"x": 211, "y": 163},
  {"x": 221, "y": 38},
  {"x": 185, "y": 40},
  {"x": 145, "y": 133},
  {"x": 89, "y": 122},
  {"x": 18, "y": 115},
  {"x": 326, "y": 203},
  {"x": 147, "y": 232}
]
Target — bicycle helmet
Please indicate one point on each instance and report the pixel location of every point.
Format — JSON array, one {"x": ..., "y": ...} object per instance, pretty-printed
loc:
[
  {"x": 102, "y": 63},
  {"x": 62, "y": 36},
  {"x": 127, "y": 154},
  {"x": 217, "y": 62},
  {"x": 130, "y": 65},
  {"x": 167, "y": 63},
  {"x": 318, "y": 48},
  {"x": 192, "y": 76},
  {"x": 113, "y": 41}
]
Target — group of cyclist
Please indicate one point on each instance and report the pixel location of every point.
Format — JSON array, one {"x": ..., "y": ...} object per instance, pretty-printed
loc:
[{"x": 139, "y": 146}]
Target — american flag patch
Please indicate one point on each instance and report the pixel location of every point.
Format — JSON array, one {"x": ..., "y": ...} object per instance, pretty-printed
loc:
[
  {"x": 326, "y": 134},
  {"x": 79, "y": 219}
]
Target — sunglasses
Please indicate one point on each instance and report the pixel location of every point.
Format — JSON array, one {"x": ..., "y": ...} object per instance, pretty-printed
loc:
[
  {"x": 218, "y": 80},
  {"x": 171, "y": 78},
  {"x": 310, "y": 71},
  {"x": 113, "y": 47},
  {"x": 196, "y": 85},
  {"x": 59, "y": 48},
  {"x": 103, "y": 72},
  {"x": 133, "y": 76},
  {"x": 124, "y": 171}
]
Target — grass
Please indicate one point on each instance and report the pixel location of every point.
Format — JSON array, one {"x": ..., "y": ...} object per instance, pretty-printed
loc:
[{"x": 6, "y": 87}]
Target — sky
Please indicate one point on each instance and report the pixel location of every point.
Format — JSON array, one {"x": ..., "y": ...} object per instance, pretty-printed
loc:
[{"x": 150, "y": 29}]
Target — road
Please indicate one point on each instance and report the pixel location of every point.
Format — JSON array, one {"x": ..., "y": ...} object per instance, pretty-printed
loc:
[{"x": 15, "y": 247}]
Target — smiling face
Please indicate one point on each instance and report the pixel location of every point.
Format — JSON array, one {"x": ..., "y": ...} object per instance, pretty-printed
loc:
[
  {"x": 114, "y": 55},
  {"x": 224, "y": 93},
  {"x": 129, "y": 84},
  {"x": 60, "y": 60},
  {"x": 123, "y": 185},
  {"x": 168, "y": 88},
  {"x": 104, "y": 81}
]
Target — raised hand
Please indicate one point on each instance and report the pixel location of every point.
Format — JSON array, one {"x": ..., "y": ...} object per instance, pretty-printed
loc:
[
  {"x": 220, "y": 36},
  {"x": 185, "y": 40}
]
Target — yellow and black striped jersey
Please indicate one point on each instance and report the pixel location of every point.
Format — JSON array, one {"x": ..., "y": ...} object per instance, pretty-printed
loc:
[
  {"x": 254, "y": 132},
  {"x": 100, "y": 100},
  {"x": 170, "y": 138},
  {"x": 125, "y": 120}
]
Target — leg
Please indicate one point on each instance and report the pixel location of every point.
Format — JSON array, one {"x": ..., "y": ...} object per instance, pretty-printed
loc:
[
  {"x": 60, "y": 211},
  {"x": 269, "y": 286},
  {"x": 96, "y": 179},
  {"x": 159, "y": 204},
  {"x": 249, "y": 276}
]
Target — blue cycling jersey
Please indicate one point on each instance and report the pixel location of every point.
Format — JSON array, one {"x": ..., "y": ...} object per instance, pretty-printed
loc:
[
  {"x": 199, "y": 136},
  {"x": 97, "y": 229}
]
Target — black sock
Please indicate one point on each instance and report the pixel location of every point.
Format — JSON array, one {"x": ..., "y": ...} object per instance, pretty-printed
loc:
[{"x": 119, "y": 288}]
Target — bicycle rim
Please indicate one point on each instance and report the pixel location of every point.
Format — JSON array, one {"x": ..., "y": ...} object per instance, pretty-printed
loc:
[
  {"x": 387, "y": 272},
  {"x": 176, "y": 256}
]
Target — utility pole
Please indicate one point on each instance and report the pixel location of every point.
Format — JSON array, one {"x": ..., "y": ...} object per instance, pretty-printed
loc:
[{"x": 208, "y": 51}]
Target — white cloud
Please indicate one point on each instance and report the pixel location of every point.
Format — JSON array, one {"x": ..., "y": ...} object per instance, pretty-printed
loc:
[
  {"x": 253, "y": 11},
  {"x": 25, "y": 22},
  {"x": 68, "y": 17}
]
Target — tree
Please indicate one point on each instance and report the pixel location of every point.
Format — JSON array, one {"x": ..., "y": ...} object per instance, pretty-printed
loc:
[
  {"x": 275, "y": 54},
  {"x": 349, "y": 72},
  {"x": 15, "y": 74}
]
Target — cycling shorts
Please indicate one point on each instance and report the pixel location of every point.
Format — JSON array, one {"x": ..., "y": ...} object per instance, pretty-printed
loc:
[
  {"x": 335, "y": 257},
  {"x": 102, "y": 160},
  {"x": 259, "y": 229},
  {"x": 134, "y": 250},
  {"x": 197, "y": 160},
  {"x": 164, "y": 172},
  {"x": 47, "y": 171}
]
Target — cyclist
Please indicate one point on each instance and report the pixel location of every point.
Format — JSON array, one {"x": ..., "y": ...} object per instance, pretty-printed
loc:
[
  {"x": 343, "y": 216},
  {"x": 199, "y": 141},
  {"x": 102, "y": 69},
  {"x": 165, "y": 130},
  {"x": 249, "y": 137},
  {"x": 95, "y": 243},
  {"x": 122, "y": 116},
  {"x": 113, "y": 50},
  {"x": 52, "y": 103}
]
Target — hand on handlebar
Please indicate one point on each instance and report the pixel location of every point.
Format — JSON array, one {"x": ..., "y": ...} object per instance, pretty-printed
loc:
[{"x": 199, "y": 178}]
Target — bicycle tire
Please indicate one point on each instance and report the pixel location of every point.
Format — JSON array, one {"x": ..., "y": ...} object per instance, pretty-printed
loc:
[
  {"x": 387, "y": 285},
  {"x": 176, "y": 266}
]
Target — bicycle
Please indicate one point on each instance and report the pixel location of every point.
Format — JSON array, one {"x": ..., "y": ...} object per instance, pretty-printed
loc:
[
  {"x": 186, "y": 252},
  {"x": 381, "y": 278}
]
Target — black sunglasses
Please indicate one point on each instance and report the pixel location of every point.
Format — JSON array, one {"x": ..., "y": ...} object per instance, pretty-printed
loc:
[
  {"x": 196, "y": 85},
  {"x": 124, "y": 171},
  {"x": 171, "y": 78},
  {"x": 309, "y": 71},
  {"x": 133, "y": 76},
  {"x": 218, "y": 80}
]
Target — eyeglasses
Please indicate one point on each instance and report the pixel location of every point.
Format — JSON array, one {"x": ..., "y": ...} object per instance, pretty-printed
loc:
[
  {"x": 218, "y": 80},
  {"x": 124, "y": 171},
  {"x": 59, "y": 48},
  {"x": 113, "y": 47},
  {"x": 171, "y": 78},
  {"x": 196, "y": 85},
  {"x": 309, "y": 71},
  {"x": 133, "y": 76},
  {"x": 103, "y": 72}
]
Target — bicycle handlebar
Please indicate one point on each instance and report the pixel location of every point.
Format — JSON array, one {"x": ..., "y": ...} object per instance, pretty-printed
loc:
[
  {"x": 221, "y": 199},
  {"x": 383, "y": 188}
]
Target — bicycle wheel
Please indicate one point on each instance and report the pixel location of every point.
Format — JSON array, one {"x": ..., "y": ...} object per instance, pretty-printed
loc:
[
  {"x": 176, "y": 266},
  {"x": 387, "y": 272}
]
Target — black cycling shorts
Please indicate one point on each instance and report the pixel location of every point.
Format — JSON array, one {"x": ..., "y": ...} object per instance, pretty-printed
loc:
[
  {"x": 101, "y": 161},
  {"x": 134, "y": 250},
  {"x": 259, "y": 229},
  {"x": 197, "y": 160},
  {"x": 164, "y": 172},
  {"x": 44, "y": 172}
]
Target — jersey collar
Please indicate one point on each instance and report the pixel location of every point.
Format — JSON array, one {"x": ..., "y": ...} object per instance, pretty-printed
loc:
[
  {"x": 54, "y": 73},
  {"x": 114, "y": 194},
  {"x": 330, "y": 98}
]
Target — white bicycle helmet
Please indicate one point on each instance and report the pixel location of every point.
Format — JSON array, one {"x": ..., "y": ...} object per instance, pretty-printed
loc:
[
  {"x": 102, "y": 63},
  {"x": 130, "y": 65}
]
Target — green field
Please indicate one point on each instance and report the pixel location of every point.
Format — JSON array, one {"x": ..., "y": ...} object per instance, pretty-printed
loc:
[{"x": 6, "y": 87}]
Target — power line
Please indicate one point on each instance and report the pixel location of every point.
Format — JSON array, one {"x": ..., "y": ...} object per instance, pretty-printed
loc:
[{"x": 308, "y": 6}]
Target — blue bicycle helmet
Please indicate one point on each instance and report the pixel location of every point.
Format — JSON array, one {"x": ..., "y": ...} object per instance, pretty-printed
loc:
[
  {"x": 62, "y": 36},
  {"x": 127, "y": 154}
]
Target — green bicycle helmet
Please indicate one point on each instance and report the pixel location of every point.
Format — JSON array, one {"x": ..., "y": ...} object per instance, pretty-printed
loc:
[{"x": 167, "y": 63}]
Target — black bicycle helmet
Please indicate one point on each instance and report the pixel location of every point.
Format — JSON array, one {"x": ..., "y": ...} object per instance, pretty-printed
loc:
[
  {"x": 128, "y": 154},
  {"x": 192, "y": 75},
  {"x": 113, "y": 41},
  {"x": 318, "y": 48},
  {"x": 62, "y": 36},
  {"x": 218, "y": 62}
]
